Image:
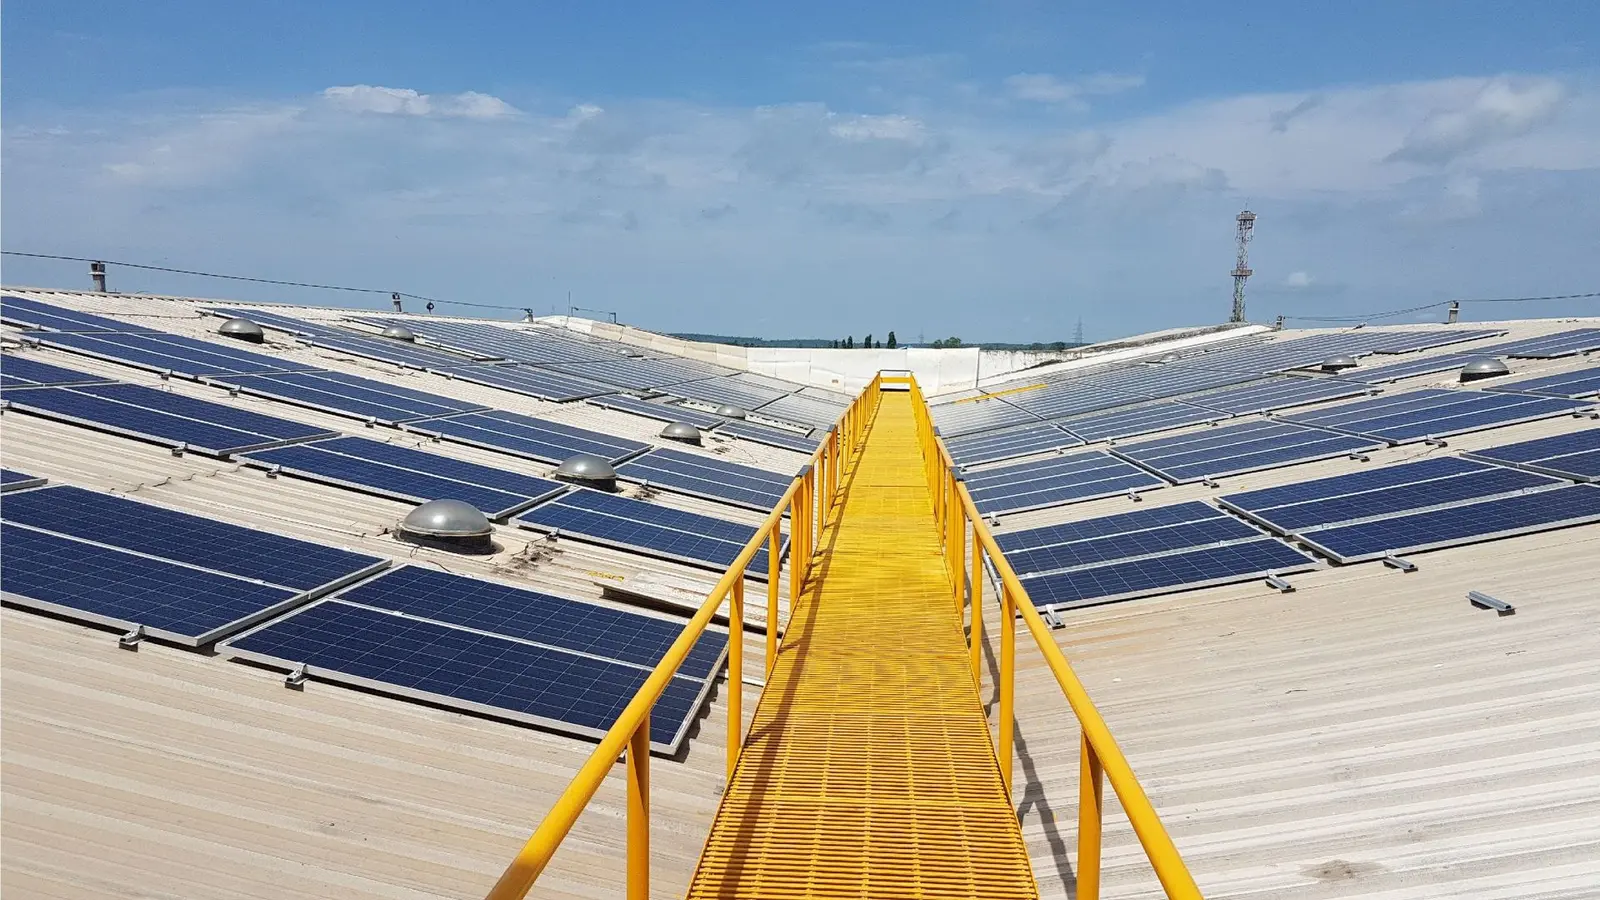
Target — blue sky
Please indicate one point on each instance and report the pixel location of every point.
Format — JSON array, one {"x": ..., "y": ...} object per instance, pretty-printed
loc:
[{"x": 993, "y": 170}]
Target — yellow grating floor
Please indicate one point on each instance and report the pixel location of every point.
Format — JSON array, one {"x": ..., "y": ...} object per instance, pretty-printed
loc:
[{"x": 869, "y": 770}]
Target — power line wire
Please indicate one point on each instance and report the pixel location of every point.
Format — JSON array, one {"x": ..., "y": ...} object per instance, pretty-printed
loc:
[
  {"x": 1400, "y": 312},
  {"x": 273, "y": 281}
]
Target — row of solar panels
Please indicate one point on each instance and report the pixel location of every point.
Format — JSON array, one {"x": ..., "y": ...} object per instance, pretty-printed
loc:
[
  {"x": 262, "y": 374},
  {"x": 455, "y": 640},
  {"x": 1406, "y": 508}
]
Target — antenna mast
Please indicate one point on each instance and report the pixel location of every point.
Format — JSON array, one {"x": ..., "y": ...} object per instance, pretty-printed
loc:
[{"x": 1241, "y": 267}]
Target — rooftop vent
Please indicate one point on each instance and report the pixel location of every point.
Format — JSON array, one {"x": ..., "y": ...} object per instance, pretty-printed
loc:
[
  {"x": 588, "y": 469},
  {"x": 1170, "y": 358},
  {"x": 681, "y": 431},
  {"x": 243, "y": 330},
  {"x": 731, "y": 412},
  {"x": 448, "y": 525},
  {"x": 1338, "y": 363},
  {"x": 399, "y": 333},
  {"x": 1488, "y": 367}
]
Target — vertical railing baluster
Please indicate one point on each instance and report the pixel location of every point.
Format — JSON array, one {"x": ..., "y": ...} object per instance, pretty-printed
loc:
[
  {"x": 1091, "y": 810},
  {"x": 774, "y": 559},
  {"x": 1008, "y": 672},
  {"x": 639, "y": 812},
  {"x": 735, "y": 674},
  {"x": 976, "y": 633}
]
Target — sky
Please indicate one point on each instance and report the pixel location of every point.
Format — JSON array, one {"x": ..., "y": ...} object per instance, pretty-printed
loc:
[{"x": 991, "y": 170}]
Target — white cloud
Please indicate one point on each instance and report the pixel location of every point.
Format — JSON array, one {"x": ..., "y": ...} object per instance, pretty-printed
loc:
[
  {"x": 1297, "y": 280},
  {"x": 1044, "y": 88},
  {"x": 1502, "y": 108},
  {"x": 407, "y": 102}
]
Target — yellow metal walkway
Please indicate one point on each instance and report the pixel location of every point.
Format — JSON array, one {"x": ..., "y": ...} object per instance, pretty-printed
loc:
[{"x": 869, "y": 769}]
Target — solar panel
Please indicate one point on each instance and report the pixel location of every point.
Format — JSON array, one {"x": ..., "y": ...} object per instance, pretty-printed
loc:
[
  {"x": 526, "y": 436},
  {"x": 1250, "y": 502},
  {"x": 723, "y": 391},
  {"x": 1462, "y": 524},
  {"x": 1248, "y": 447},
  {"x": 1137, "y": 420},
  {"x": 1276, "y": 393},
  {"x": 713, "y": 479},
  {"x": 1128, "y": 545},
  {"x": 186, "y": 538},
  {"x": 1435, "y": 413},
  {"x": 1553, "y": 346},
  {"x": 1395, "y": 371},
  {"x": 349, "y": 395},
  {"x": 186, "y": 578},
  {"x": 801, "y": 410},
  {"x": 562, "y": 623},
  {"x": 659, "y": 531},
  {"x": 18, "y": 371},
  {"x": 968, "y": 417},
  {"x": 25, "y": 313},
  {"x": 1571, "y": 385},
  {"x": 486, "y": 341},
  {"x": 1103, "y": 526},
  {"x": 402, "y": 473},
  {"x": 1062, "y": 399},
  {"x": 662, "y": 412},
  {"x": 527, "y": 380},
  {"x": 1186, "y": 570},
  {"x": 1575, "y": 455},
  {"x": 772, "y": 437},
  {"x": 1010, "y": 443},
  {"x": 638, "y": 374},
  {"x": 464, "y": 669},
  {"x": 1357, "y": 503},
  {"x": 173, "y": 353},
  {"x": 1412, "y": 341},
  {"x": 279, "y": 322},
  {"x": 1054, "y": 482},
  {"x": 164, "y": 418},
  {"x": 12, "y": 480},
  {"x": 401, "y": 353}
]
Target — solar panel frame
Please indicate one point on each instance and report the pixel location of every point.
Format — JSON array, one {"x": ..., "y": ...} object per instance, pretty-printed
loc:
[
  {"x": 1457, "y": 525},
  {"x": 1104, "y": 526},
  {"x": 530, "y": 381},
  {"x": 1133, "y": 421},
  {"x": 1226, "y": 564},
  {"x": 12, "y": 480},
  {"x": 277, "y": 321},
  {"x": 661, "y": 412},
  {"x": 694, "y": 536},
  {"x": 163, "y": 418},
  {"x": 526, "y": 436},
  {"x": 1056, "y": 558},
  {"x": 967, "y": 417},
  {"x": 1436, "y": 413},
  {"x": 771, "y": 437},
  {"x": 23, "y": 372},
  {"x": 1076, "y": 478},
  {"x": 724, "y": 391},
  {"x": 1222, "y": 457},
  {"x": 1563, "y": 385},
  {"x": 710, "y": 479},
  {"x": 809, "y": 412},
  {"x": 351, "y": 396},
  {"x": 1415, "y": 341},
  {"x": 986, "y": 447},
  {"x": 1575, "y": 455},
  {"x": 395, "y": 472},
  {"x": 1281, "y": 392},
  {"x": 168, "y": 353},
  {"x": 1248, "y": 503},
  {"x": 671, "y": 716},
  {"x": 401, "y": 353},
  {"x": 1553, "y": 346},
  {"x": 25, "y": 312},
  {"x": 1410, "y": 368}
]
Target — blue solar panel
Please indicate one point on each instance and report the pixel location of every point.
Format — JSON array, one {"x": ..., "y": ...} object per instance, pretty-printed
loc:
[
  {"x": 164, "y": 417},
  {"x": 661, "y": 412},
  {"x": 486, "y": 673},
  {"x": 18, "y": 371},
  {"x": 1575, "y": 455},
  {"x": 1584, "y": 466},
  {"x": 34, "y": 314},
  {"x": 968, "y": 417},
  {"x": 1582, "y": 383},
  {"x": 1164, "y": 574},
  {"x": 1102, "y": 526},
  {"x": 279, "y": 322},
  {"x": 401, "y": 353},
  {"x": 1412, "y": 341},
  {"x": 559, "y": 622},
  {"x": 724, "y": 391},
  {"x": 799, "y": 409},
  {"x": 1114, "y": 547},
  {"x": 349, "y": 395},
  {"x": 171, "y": 353},
  {"x": 527, "y": 380},
  {"x": 1385, "y": 370},
  {"x": 1296, "y": 517},
  {"x": 185, "y": 538},
  {"x": 527, "y": 436},
  {"x": 12, "y": 480},
  {"x": 1462, "y": 524},
  {"x": 410, "y": 475},
  {"x": 1053, "y": 482},
  {"x": 656, "y": 530},
  {"x": 1123, "y": 423},
  {"x": 1435, "y": 413},
  {"x": 642, "y": 374},
  {"x": 1552, "y": 346},
  {"x": 714, "y": 479},
  {"x": 1276, "y": 393},
  {"x": 1226, "y": 452},
  {"x": 1355, "y": 482},
  {"x": 998, "y": 446},
  {"x": 772, "y": 437},
  {"x": 115, "y": 587}
]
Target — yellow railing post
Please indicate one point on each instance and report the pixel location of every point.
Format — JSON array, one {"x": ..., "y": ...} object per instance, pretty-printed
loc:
[
  {"x": 1091, "y": 809},
  {"x": 735, "y": 673},
  {"x": 774, "y": 559},
  {"x": 639, "y": 812},
  {"x": 1008, "y": 674},
  {"x": 976, "y": 633},
  {"x": 794, "y": 552},
  {"x": 957, "y": 546}
]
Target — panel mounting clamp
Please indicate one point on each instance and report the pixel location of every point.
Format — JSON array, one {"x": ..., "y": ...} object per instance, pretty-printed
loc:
[
  {"x": 130, "y": 641},
  {"x": 1359, "y": 456},
  {"x": 1275, "y": 580},
  {"x": 1435, "y": 442},
  {"x": 1134, "y": 496},
  {"x": 1210, "y": 482},
  {"x": 1484, "y": 601},
  {"x": 296, "y": 679},
  {"x": 179, "y": 450},
  {"x": 1395, "y": 562}
]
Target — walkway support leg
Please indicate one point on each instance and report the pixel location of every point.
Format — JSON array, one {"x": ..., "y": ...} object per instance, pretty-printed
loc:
[
  {"x": 1091, "y": 805},
  {"x": 639, "y": 812}
]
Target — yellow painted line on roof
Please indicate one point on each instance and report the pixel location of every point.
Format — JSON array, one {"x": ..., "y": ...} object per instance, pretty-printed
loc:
[{"x": 869, "y": 770}]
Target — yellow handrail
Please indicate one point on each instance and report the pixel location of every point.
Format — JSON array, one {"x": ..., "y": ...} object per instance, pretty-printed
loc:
[
  {"x": 807, "y": 500},
  {"x": 1099, "y": 756}
]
